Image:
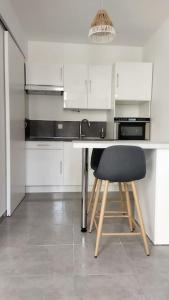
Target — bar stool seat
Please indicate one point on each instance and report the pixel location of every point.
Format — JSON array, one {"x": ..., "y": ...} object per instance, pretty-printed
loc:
[{"x": 124, "y": 164}]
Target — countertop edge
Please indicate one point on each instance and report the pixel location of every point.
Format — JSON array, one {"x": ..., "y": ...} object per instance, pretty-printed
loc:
[{"x": 104, "y": 144}]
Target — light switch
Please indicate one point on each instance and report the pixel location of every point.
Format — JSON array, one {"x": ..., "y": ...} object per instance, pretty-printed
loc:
[{"x": 60, "y": 126}]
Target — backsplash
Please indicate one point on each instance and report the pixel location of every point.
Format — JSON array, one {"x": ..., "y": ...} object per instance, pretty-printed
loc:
[{"x": 51, "y": 129}]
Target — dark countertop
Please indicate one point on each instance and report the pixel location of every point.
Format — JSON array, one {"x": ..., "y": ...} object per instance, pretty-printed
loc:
[
  {"x": 69, "y": 139},
  {"x": 62, "y": 139}
]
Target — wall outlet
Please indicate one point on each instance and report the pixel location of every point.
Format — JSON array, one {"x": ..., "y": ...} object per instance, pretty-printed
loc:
[{"x": 60, "y": 126}]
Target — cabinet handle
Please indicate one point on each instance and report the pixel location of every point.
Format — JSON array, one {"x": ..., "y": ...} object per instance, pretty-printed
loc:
[
  {"x": 117, "y": 80},
  {"x": 60, "y": 167},
  {"x": 90, "y": 86},
  {"x": 86, "y": 84},
  {"x": 61, "y": 74},
  {"x": 43, "y": 145}
]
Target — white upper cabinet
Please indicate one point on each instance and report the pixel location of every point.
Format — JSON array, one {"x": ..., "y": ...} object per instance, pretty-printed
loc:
[
  {"x": 75, "y": 86},
  {"x": 99, "y": 90},
  {"x": 44, "y": 73},
  {"x": 87, "y": 87},
  {"x": 133, "y": 81}
]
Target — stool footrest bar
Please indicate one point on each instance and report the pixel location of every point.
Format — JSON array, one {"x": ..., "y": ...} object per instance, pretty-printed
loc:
[{"x": 120, "y": 233}]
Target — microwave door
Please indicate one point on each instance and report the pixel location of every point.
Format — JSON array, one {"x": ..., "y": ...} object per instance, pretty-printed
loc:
[{"x": 131, "y": 131}]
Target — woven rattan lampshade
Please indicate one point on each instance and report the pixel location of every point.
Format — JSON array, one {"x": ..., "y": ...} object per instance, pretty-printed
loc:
[{"x": 102, "y": 29}]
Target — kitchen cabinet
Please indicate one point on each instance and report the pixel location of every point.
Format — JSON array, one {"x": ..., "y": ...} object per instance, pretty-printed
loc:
[
  {"x": 99, "y": 87},
  {"x": 15, "y": 123},
  {"x": 87, "y": 87},
  {"x": 90, "y": 170},
  {"x": 133, "y": 81},
  {"x": 75, "y": 86},
  {"x": 44, "y": 73},
  {"x": 72, "y": 165},
  {"x": 44, "y": 163},
  {"x": 2, "y": 127}
]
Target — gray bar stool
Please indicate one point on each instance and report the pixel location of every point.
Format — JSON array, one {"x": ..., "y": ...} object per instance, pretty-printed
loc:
[
  {"x": 124, "y": 164},
  {"x": 95, "y": 159}
]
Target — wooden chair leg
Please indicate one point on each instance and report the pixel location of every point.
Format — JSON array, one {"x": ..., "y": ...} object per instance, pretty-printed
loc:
[
  {"x": 96, "y": 199},
  {"x": 128, "y": 207},
  {"x": 100, "y": 225},
  {"x": 141, "y": 223},
  {"x": 92, "y": 195}
]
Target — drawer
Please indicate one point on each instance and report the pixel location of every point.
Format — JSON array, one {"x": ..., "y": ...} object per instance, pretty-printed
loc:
[{"x": 44, "y": 145}]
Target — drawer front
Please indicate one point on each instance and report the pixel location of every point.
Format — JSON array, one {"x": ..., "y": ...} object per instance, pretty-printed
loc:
[{"x": 44, "y": 145}]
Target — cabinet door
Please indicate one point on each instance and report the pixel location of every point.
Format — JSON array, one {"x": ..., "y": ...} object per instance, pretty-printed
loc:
[
  {"x": 90, "y": 171},
  {"x": 75, "y": 86},
  {"x": 133, "y": 81},
  {"x": 2, "y": 128},
  {"x": 99, "y": 87},
  {"x": 44, "y": 73},
  {"x": 72, "y": 165},
  {"x": 15, "y": 123},
  {"x": 44, "y": 167}
]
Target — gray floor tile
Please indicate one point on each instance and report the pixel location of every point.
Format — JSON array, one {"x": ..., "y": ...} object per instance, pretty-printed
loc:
[
  {"x": 38, "y": 288},
  {"x": 37, "y": 260},
  {"x": 155, "y": 285},
  {"x": 89, "y": 238},
  {"x": 47, "y": 234},
  {"x": 158, "y": 261},
  {"x": 44, "y": 255},
  {"x": 112, "y": 259},
  {"x": 114, "y": 287},
  {"x": 14, "y": 235}
]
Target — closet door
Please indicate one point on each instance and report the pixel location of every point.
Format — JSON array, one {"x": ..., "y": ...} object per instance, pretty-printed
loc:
[
  {"x": 2, "y": 127},
  {"x": 15, "y": 120}
]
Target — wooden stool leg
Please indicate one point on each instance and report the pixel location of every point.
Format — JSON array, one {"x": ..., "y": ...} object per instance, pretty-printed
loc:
[
  {"x": 96, "y": 199},
  {"x": 121, "y": 197},
  {"x": 136, "y": 200},
  {"x": 92, "y": 195},
  {"x": 128, "y": 207},
  {"x": 100, "y": 225}
]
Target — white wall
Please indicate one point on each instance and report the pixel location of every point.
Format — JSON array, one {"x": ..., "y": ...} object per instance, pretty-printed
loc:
[
  {"x": 157, "y": 51},
  {"x": 7, "y": 13},
  {"x": 51, "y": 107}
]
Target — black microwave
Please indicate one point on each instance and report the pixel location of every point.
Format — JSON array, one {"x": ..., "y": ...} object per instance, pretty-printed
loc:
[{"x": 132, "y": 128}]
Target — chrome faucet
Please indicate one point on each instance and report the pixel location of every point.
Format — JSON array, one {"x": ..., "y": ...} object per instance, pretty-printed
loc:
[{"x": 80, "y": 127}]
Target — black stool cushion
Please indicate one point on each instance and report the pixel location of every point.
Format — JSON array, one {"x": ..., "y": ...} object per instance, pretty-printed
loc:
[
  {"x": 95, "y": 158},
  {"x": 121, "y": 164}
]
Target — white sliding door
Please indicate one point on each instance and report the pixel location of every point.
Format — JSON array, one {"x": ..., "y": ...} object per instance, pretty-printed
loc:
[
  {"x": 15, "y": 117},
  {"x": 2, "y": 127}
]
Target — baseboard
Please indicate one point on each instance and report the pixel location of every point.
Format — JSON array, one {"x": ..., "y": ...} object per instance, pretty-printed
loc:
[{"x": 63, "y": 188}]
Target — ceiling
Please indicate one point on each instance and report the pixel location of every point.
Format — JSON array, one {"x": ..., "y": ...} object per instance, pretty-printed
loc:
[{"x": 69, "y": 20}]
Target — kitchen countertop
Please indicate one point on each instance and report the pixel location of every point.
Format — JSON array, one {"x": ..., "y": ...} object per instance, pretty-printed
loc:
[
  {"x": 107, "y": 143},
  {"x": 96, "y": 142},
  {"x": 69, "y": 139},
  {"x": 55, "y": 139}
]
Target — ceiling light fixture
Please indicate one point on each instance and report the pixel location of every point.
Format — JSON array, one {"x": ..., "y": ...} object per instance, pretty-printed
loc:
[{"x": 102, "y": 30}]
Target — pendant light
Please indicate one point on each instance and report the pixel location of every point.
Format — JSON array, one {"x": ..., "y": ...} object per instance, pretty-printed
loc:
[{"x": 102, "y": 30}]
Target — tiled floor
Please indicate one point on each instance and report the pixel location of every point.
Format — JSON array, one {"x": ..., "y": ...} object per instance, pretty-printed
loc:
[{"x": 44, "y": 256}]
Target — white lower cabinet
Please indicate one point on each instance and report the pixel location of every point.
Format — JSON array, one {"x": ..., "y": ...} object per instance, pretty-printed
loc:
[
  {"x": 72, "y": 165},
  {"x": 90, "y": 173},
  {"x": 44, "y": 164},
  {"x": 54, "y": 167}
]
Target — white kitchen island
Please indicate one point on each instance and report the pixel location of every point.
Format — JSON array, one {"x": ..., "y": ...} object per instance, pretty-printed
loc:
[{"x": 153, "y": 189}]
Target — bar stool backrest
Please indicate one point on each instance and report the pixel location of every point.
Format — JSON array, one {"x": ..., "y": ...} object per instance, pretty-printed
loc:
[{"x": 122, "y": 164}]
